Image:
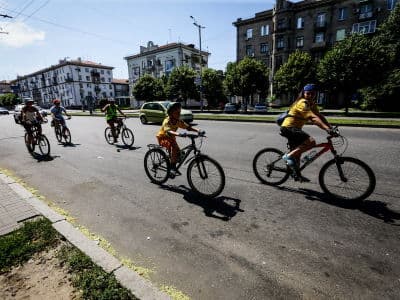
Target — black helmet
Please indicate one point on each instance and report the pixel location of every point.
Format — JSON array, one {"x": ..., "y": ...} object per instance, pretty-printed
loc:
[{"x": 173, "y": 106}]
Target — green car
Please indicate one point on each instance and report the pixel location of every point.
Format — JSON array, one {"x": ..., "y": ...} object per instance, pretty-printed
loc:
[{"x": 155, "y": 112}]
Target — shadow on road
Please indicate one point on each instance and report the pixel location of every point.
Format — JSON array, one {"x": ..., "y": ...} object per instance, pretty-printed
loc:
[
  {"x": 41, "y": 158},
  {"x": 124, "y": 147},
  {"x": 373, "y": 208},
  {"x": 72, "y": 145},
  {"x": 222, "y": 208}
]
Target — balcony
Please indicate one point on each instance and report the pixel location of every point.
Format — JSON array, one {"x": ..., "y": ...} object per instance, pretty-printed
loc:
[
  {"x": 69, "y": 79},
  {"x": 366, "y": 15},
  {"x": 318, "y": 45},
  {"x": 320, "y": 26}
]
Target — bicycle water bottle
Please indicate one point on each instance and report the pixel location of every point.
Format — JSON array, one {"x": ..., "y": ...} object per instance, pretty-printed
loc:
[{"x": 309, "y": 156}]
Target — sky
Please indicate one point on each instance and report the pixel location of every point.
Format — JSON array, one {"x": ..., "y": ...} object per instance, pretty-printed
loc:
[{"x": 105, "y": 31}]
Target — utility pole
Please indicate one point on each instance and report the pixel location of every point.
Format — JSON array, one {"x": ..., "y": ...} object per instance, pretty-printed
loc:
[{"x": 201, "y": 61}]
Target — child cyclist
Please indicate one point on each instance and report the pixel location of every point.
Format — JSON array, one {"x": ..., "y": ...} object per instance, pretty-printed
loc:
[
  {"x": 167, "y": 135},
  {"x": 57, "y": 113},
  {"x": 111, "y": 116}
]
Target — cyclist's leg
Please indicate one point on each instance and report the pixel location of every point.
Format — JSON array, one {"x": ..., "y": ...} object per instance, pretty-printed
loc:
[
  {"x": 111, "y": 123},
  {"x": 298, "y": 140},
  {"x": 28, "y": 128}
]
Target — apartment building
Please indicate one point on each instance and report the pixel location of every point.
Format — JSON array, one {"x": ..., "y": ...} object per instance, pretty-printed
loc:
[
  {"x": 74, "y": 82},
  {"x": 5, "y": 87},
  {"x": 310, "y": 25},
  {"x": 121, "y": 91}
]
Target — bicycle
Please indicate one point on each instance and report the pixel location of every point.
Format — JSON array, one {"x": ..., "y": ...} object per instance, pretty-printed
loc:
[
  {"x": 343, "y": 178},
  {"x": 37, "y": 139},
  {"x": 127, "y": 135},
  {"x": 204, "y": 174},
  {"x": 62, "y": 132}
]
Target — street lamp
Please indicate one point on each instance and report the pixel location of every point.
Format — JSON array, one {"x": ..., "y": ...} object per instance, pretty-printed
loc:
[{"x": 201, "y": 60}]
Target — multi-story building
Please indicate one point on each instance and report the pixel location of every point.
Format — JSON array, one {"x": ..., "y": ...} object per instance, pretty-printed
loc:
[
  {"x": 74, "y": 82},
  {"x": 121, "y": 91},
  {"x": 5, "y": 87},
  {"x": 309, "y": 25},
  {"x": 161, "y": 60}
]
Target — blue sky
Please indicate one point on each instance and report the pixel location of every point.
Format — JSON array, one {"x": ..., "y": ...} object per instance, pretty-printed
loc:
[{"x": 105, "y": 31}]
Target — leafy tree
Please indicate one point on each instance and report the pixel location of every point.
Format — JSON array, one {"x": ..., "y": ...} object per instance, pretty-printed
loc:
[
  {"x": 181, "y": 84},
  {"x": 8, "y": 99},
  {"x": 149, "y": 88},
  {"x": 295, "y": 73},
  {"x": 212, "y": 87},
  {"x": 232, "y": 79}
]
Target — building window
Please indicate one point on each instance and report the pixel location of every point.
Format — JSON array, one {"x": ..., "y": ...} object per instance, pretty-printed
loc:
[
  {"x": 300, "y": 41},
  {"x": 391, "y": 4},
  {"x": 101, "y": 71},
  {"x": 102, "y": 79},
  {"x": 300, "y": 23},
  {"x": 264, "y": 30},
  {"x": 340, "y": 34},
  {"x": 80, "y": 77},
  {"x": 263, "y": 47},
  {"x": 319, "y": 37},
  {"x": 110, "y": 86},
  {"x": 365, "y": 11},
  {"x": 281, "y": 24},
  {"x": 364, "y": 27},
  {"x": 321, "y": 20},
  {"x": 342, "y": 13},
  {"x": 108, "y": 72},
  {"x": 86, "y": 69},
  {"x": 249, "y": 33},
  {"x": 81, "y": 85},
  {"x": 280, "y": 43},
  {"x": 87, "y": 78},
  {"x": 249, "y": 50},
  {"x": 89, "y": 85}
]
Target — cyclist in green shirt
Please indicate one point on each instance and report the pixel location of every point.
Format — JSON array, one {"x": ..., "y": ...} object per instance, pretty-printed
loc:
[{"x": 111, "y": 115}]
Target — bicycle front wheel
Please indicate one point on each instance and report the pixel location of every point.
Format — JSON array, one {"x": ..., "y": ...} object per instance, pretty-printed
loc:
[
  {"x": 108, "y": 135},
  {"x": 44, "y": 145},
  {"x": 269, "y": 167},
  {"x": 205, "y": 176},
  {"x": 156, "y": 165},
  {"x": 127, "y": 137},
  {"x": 29, "y": 146},
  {"x": 57, "y": 131},
  {"x": 67, "y": 136},
  {"x": 347, "y": 178}
]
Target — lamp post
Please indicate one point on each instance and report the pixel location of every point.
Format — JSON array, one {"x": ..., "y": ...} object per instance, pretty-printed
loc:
[{"x": 201, "y": 61}]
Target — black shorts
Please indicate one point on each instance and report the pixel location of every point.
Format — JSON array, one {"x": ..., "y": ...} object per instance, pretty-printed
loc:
[
  {"x": 29, "y": 127},
  {"x": 295, "y": 136}
]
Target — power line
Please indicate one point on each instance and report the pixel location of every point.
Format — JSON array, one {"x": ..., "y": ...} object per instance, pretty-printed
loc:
[
  {"x": 25, "y": 7},
  {"x": 39, "y": 8}
]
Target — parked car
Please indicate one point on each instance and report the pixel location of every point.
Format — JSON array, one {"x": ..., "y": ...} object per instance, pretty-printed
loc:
[
  {"x": 260, "y": 108},
  {"x": 3, "y": 111},
  {"x": 18, "y": 111},
  {"x": 156, "y": 112},
  {"x": 230, "y": 108}
]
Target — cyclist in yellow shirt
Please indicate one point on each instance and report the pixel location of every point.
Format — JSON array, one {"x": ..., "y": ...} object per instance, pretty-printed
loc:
[
  {"x": 168, "y": 132},
  {"x": 304, "y": 109}
]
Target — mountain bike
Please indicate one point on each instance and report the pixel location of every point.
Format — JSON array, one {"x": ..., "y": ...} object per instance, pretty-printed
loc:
[
  {"x": 127, "y": 135},
  {"x": 37, "y": 139},
  {"x": 61, "y": 131},
  {"x": 204, "y": 174},
  {"x": 343, "y": 178}
]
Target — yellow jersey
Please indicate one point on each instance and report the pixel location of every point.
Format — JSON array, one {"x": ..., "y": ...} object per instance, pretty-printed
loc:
[
  {"x": 168, "y": 125},
  {"x": 300, "y": 112}
]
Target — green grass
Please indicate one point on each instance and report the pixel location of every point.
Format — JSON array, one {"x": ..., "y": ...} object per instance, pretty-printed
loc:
[
  {"x": 20, "y": 245},
  {"x": 90, "y": 279}
]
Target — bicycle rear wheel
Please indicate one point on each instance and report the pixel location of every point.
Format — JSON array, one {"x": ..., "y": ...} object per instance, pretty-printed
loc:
[
  {"x": 67, "y": 136},
  {"x": 44, "y": 145},
  {"x": 127, "y": 137},
  {"x": 347, "y": 178},
  {"x": 108, "y": 135},
  {"x": 156, "y": 165},
  {"x": 205, "y": 176},
  {"x": 57, "y": 131},
  {"x": 269, "y": 167}
]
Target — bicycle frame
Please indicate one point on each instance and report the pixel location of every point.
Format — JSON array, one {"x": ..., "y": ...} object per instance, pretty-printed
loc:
[
  {"x": 328, "y": 146},
  {"x": 188, "y": 149}
]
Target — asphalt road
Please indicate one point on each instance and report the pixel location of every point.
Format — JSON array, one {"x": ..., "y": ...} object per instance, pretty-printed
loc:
[{"x": 254, "y": 241}]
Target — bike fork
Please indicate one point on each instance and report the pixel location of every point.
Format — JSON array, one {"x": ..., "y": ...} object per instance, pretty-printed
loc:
[
  {"x": 339, "y": 164},
  {"x": 202, "y": 169}
]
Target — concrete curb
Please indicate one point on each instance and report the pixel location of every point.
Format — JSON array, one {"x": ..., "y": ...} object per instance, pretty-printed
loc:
[{"x": 140, "y": 287}]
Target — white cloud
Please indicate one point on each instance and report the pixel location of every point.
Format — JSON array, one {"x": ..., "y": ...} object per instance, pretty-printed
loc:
[{"x": 19, "y": 34}]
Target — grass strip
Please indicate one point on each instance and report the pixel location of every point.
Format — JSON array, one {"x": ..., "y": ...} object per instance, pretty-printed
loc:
[{"x": 20, "y": 245}]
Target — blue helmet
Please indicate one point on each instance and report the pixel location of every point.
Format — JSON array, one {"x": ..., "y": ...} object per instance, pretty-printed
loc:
[{"x": 309, "y": 87}]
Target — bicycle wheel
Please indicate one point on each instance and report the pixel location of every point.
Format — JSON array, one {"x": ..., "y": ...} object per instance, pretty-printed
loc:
[
  {"x": 57, "y": 131},
  {"x": 29, "y": 146},
  {"x": 205, "y": 176},
  {"x": 44, "y": 145},
  {"x": 156, "y": 165},
  {"x": 269, "y": 167},
  {"x": 347, "y": 178},
  {"x": 67, "y": 136},
  {"x": 108, "y": 135},
  {"x": 127, "y": 137}
]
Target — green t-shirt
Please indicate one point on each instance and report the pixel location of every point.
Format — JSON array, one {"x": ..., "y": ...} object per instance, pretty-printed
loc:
[{"x": 111, "y": 112}]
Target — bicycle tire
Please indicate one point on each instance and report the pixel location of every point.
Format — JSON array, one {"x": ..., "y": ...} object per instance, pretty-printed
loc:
[
  {"x": 108, "y": 136},
  {"x": 360, "y": 182},
  {"x": 157, "y": 165},
  {"x": 127, "y": 137},
  {"x": 29, "y": 146},
  {"x": 67, "y": 136},
  {"x": 44, "y": 145},
  {"x": 198, "y": 176},
  {"x": 57, "y": 131},
  {"x": 269, "y": 168}
]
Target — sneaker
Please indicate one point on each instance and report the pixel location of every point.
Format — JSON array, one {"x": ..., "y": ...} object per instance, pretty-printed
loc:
[
  {"x": 175, "y": 171},
  {"x": 303, "y": 179},
  {"x": 289, "y": 161}
]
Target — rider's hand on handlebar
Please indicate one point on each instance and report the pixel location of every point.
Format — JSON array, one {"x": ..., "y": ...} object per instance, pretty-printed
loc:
[
  {"x": 333, "y": 132},
  {"x": 183, "y": 134},
  {"x": 202, "y": 132}
]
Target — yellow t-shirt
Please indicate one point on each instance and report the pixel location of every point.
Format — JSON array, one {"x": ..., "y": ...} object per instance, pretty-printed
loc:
[
  {"x": 167, "y": 125},
  {"x": 301, "y": 111}
]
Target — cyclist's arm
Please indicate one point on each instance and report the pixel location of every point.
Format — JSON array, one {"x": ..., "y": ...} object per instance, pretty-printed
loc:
[
  {"x": 320, "y": 122},
  {"x": 190, "y": 128},
  {"x": 171, "y": 132},
  {"x": 104, "y": 108},
  {"x": 120, "y": 111}
]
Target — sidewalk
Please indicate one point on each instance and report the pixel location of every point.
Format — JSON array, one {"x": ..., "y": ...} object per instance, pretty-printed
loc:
[{"x": 18, "y": 205}]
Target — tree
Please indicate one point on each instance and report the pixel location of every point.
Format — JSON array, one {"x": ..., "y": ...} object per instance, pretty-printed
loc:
[
  {"x": 212, "y": 87},
  {"x": 149, "y": 88},
  {"x": 295, "y": 73},
  {"x": 232, "y": 79},
  {"x": 8, "y": 99},
  {"x": 181, "y": 84}
]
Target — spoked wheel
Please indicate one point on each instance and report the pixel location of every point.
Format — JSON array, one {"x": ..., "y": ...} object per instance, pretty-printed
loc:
[
  {"x": 109, "y": 136},
  {"x": 29, "y": 146},
  {"x": 156, "y": 165},
  {"x": 44, "y": 145},
  {"x": 269, "y": 167},
  {"x": 205, "y": 176},
  {"x": 67, "y": 136},
  {"x": 127, "y": 137},
  {"x": 57, "y": 131},
  {"x": 347, "y": 178}
]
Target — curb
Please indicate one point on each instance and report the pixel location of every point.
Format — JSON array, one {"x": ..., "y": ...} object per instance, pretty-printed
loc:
[{"x": 140, "y": 287}]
